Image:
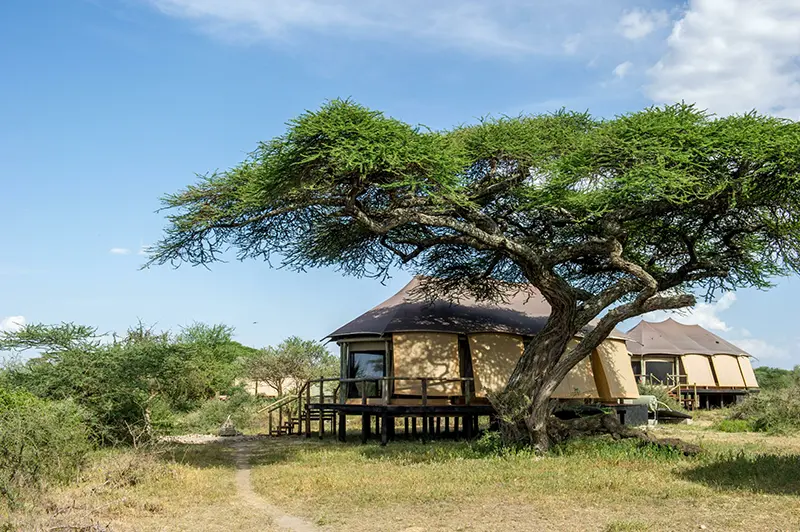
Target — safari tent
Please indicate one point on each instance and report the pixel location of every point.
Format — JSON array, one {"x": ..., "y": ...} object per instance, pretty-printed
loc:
[
  {"x": 710, "y": 370},
  {"x": 463, "y": 348}
]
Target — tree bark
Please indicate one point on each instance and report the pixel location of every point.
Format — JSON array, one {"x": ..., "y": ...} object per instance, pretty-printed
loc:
[{"x": 524, "y": 407}]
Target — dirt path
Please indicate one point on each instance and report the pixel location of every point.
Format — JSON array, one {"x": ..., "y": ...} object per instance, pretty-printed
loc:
[{"x": 246, "y": 493}]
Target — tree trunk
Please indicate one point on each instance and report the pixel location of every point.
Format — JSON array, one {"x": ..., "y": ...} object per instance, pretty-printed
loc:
[{"x": 524, "y": 407}]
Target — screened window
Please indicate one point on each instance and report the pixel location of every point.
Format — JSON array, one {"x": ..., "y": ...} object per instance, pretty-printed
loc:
[{"x": 366, "y": 365}]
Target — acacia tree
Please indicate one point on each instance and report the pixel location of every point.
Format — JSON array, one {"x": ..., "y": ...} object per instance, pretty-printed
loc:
[
  {"x": 608, "y": 219},
  {"x": 294, "y": 359}
]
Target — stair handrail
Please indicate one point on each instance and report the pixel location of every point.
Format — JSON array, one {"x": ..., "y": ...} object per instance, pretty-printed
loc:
[{"x": 277, "y": 404}]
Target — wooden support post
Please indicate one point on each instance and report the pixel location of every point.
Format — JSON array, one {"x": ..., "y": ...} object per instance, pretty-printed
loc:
[
  {"x": 424, "y": 414},
  {"x": 405, "y": 420},
  {"x": 378, "y": 420},
  {"x": 384, "y": 428},
  {"x": 321, "y": 408},
  {"x": 467, "y": 421},
  {"x": 364, "y": 417},
  {"x": 447, "y": 425},
  {"x": 414, "y": 427},
  {"x": 308, "y": 409},
  {"x": 385, "y": 389},
  {"x": 270, "y": 423},
  {"x": 364, "y": 428},
  {"x": 342, "y": 427},
  {"x": 476, "y": 428},
  {"x": 455, "y": 426},
  {"x": 299, "y": 411},
  {"x": 280, "y": 420},
  {"x": 438, "y": 425}
]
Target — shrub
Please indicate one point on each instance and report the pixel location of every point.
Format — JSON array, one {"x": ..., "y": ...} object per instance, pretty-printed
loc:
[
  {"x": 207, "y": 419},
  {"x": 39, "y": 441},
  {"x": 660, "y": 393},
  {"x": 776, "y": 410}
]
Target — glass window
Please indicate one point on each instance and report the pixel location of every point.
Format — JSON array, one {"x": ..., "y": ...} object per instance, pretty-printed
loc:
[
  {"x": 366, "y": 365},
  {"x": 658, "y": 370},
  {"x": 637, "y": 367}
]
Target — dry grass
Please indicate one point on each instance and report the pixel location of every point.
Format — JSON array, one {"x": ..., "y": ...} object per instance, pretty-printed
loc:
[
  {"x": 746, "y": 481},
  {"x": 448, "y": 486},
  {"x": 186, "y": 488}
]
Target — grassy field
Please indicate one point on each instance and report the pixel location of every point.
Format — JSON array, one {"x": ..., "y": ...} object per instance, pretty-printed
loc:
[
  {"x": 183, "y": 488},
  {"x": 745, "y": 481}
]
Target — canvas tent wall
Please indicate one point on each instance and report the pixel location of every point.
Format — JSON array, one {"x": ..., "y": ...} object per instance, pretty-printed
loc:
[
  {"x": 701, "y": 357},
  {"x": 449, "y": 339}
]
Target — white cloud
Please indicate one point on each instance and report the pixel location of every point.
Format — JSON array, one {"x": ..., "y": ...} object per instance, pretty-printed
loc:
[
  {"x": 501, "y": 27},
  {"x": 638, "y": 23},
  {"x": 733, "y": 56},
  {"x": 119, "y": 251},
  {"x": 12, "y": 323},
  {"x": 766, "y": 354},
  {"x": 702, "y": 314},
  {"x": 622, "y": 69}
]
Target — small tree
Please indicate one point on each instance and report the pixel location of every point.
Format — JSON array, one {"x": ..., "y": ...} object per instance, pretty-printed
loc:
[
  {"x": 608, "y": 219},
  {"x": 294, "y": 359}
]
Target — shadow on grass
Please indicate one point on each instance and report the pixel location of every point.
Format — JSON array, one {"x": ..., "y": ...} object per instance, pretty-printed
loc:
[{"x": 765, "y": 473}]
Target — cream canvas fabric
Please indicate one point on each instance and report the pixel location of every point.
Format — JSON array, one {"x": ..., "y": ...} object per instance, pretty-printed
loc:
[
  {"x": 579, "y": 382},
  {"x": 698, "y": 370},
  {"x": 728, "y": 371},
  {"x": 494, "y": 357},
  {"x": 747, "y": 372},
  {"x": 612, "y": 371},
  {"x": 426, "y": 355}
]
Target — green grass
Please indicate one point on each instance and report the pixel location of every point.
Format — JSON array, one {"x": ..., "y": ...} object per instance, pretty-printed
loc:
[
  {"x": 733, "y": 425},
  {"x": 592, "y": 484}
]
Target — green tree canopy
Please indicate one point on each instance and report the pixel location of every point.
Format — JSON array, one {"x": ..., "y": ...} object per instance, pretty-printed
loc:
[
  {"x": 131, "y": 384},
  {"x": 294, "y": 360},
  {"x": 608, "y": 219},
  {"x": 777, "y": 378}
]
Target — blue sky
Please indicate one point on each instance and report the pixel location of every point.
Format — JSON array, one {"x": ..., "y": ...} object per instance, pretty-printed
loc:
[{"x": 106, "y": 105}]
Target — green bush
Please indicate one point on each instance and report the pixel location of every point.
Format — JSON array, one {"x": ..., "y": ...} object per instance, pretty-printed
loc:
[
  {"x": 133, "y": 387},
  {"x": 207, "y": 419},
  {"x": 40, "y": 441},
  {"x": 776, "y": 410}
]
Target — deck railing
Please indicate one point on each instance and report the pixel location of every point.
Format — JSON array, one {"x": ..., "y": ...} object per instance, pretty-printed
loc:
[{"x": 384, "y": 384}]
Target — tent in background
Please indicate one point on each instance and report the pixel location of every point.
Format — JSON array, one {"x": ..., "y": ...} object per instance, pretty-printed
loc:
[{"x": 673, "y": 353}]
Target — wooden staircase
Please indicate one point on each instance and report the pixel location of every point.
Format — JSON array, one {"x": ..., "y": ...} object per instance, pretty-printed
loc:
[{"x": 292, "y": 414}]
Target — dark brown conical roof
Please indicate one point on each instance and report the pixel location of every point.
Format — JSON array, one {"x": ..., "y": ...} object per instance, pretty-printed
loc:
[
  {"x": 670, "y": 337},
  {"x": 524, "y": 312}
]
